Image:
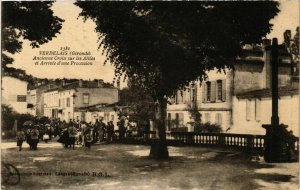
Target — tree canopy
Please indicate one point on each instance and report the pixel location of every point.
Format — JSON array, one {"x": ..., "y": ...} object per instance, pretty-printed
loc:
[
  {"x": 33, "y": 21},
  {"x": 162, "y": 46}
]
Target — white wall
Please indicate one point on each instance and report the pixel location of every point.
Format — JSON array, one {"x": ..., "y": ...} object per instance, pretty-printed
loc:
[
  {"x": 288, "y": 115},
  {"x": 11, "y": 89}
]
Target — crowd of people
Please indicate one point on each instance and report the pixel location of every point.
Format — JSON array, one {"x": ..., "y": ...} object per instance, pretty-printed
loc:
[{"x": 75, "y": 132}]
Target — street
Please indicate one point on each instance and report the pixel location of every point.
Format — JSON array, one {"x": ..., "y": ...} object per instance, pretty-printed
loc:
[{"x": 117, "y": 166}]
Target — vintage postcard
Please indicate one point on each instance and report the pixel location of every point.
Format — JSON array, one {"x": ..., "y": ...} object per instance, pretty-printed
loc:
[{"x": 150, "y": 95}]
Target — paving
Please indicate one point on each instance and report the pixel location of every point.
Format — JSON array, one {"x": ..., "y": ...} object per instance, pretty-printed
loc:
[{"x": 117, "y": 166}]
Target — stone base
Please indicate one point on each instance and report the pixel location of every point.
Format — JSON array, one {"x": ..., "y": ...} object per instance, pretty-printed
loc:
[
  {"x": 159, "y": 150},
  {"x": 279, "y": 144}
]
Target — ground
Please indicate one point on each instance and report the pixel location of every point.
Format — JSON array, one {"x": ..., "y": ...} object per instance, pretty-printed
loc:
[{"x": 127, "y": 167}]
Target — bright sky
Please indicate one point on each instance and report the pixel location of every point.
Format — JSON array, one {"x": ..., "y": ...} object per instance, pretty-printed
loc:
[{"x": 80, "y": 36}]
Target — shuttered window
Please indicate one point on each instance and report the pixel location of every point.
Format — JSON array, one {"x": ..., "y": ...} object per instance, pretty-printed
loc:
[
  {"x": 219, "y": 90},
  {"x": 213, "y": 91},
  {"x": 179, "y": 97},
  {"x": 204, "y": 92},
  {"x": 208, "y": 91},
  {"x": 224, "y": 90}
]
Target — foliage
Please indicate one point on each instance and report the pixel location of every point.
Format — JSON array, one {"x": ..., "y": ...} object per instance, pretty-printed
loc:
[
  {"x": 162, "y": 46},
  {"x": 33, "y": 21},
  {"x": 292, "y": 44},
  {"x": 140, "y": 103},
  {"x": 179, "y": 129},
  {"x": 8, "y": 118},
  {"x": 207, "y": 128}
]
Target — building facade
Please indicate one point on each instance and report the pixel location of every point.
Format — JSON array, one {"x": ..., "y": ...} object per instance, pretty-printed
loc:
[
  {"x": 14, "y": 93},
  {"x": 252, "y": 109},
  {"x": 31, "y": 100},
  {"x": 66, "y": 102},
  {"x": 223, "y": 97},
  {"x": 211, "y": 99}
]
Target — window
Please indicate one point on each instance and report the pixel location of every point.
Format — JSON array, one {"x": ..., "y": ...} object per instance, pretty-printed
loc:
[
  {"x": 179, "y": 97},
  {"x": 248, "y": 110},
  {"x": 218, "y": 119},
  {"x": 257, "y": 109},
  {"x": 208, "y": 91},
  {"x": 68, "y": 102},
  {"x": 86, "y": 98},
  {"x": 219, "y": 90},
  {"x": 207, "y": 117}
]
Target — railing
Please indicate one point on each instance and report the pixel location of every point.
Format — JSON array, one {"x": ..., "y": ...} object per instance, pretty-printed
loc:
[{"x": 243, "y": 141}]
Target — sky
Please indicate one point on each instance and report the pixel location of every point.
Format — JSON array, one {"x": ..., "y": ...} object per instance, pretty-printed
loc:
[{"x": 80, "y": 36}]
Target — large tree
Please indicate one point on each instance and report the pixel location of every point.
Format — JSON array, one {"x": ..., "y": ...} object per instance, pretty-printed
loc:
[
  {"x": 33, "y": 21},
  {"x": 162, "y": 46}
]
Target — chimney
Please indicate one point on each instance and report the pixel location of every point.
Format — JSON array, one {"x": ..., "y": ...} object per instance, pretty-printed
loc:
[{"x": 80, "y": 83}]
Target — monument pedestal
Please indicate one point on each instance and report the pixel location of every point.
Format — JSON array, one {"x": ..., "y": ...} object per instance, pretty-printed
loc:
[{"x": 279, "y": 144}]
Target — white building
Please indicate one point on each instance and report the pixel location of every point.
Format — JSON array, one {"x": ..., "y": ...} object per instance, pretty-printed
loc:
[
  {"x": 51, "y": 103},
  {"x": 211, "y": 99},
  {"x": 239, "y": 101},
  {"x": 253, "y": 109},
  {"x": 31, "y": 100},
  {"x": 14, "y": 93},
  {"x": 65, "y": 101}
]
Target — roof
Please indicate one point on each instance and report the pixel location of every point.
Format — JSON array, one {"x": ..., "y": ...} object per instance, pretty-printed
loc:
[
  {"x": 100, "y": 107},
  {"x": 262, "y": 93}
]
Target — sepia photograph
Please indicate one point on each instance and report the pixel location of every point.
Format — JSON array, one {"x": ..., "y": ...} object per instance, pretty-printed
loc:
[{"x": 174, "y": 95}]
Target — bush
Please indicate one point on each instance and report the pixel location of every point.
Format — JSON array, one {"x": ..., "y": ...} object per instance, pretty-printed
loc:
[
  {"x": 179, "y": 129},
  {"x": 207, "y": 128},
  {"x": 9, "y": 116}
]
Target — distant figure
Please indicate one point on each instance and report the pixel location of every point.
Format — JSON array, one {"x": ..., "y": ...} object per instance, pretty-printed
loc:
[
  {"x": 72, "y": 133},
  {"x": 110, "y": 132},
  {"x": 122, "y": 129},
  {"x": 88, "y": 139},
  {"x": 28, "y": 138},
  {"x": 20, "y": 138},
  {"x": 34, "y": 135},
  {"x": 96, "y": 130}
]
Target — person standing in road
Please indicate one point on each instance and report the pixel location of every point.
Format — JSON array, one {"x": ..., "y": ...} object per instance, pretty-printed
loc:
[
  {"x": 20, "y": 138},
  {"x": 34, "y": 134},
  {"x": 110, "y": 131},
  {"x": 72, "y": 133}
]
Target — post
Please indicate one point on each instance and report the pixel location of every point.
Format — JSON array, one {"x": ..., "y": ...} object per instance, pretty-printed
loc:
[
  {"x": 274, "y": 82},
  {"x": 278, "y": 140}
]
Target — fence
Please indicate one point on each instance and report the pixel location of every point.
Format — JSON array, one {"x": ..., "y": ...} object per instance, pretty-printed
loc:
[
  {"x": 243, "y": 141},
  {"x": 240, "y": 141}
]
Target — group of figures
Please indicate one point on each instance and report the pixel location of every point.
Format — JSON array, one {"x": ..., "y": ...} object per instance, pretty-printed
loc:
[
  {"x": 76, "y": 132},
  {"x": 86, "y": 134},
  {"x": 33, "y": 134}
]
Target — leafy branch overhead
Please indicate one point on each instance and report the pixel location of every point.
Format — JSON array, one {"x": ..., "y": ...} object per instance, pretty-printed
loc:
[
  {"x": 33, "y": 21},
  {"x": 162, "y": 46}
]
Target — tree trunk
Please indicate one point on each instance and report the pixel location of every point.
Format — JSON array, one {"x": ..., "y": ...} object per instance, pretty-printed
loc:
[{"x": 159, "y": 148}]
